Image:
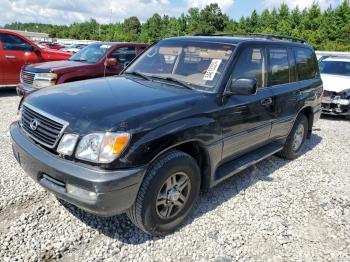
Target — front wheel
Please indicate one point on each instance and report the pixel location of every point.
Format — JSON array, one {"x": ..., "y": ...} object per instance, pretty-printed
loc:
[
  {"x": 296, "y": 139},
  {"x": 167, "y": 194}
]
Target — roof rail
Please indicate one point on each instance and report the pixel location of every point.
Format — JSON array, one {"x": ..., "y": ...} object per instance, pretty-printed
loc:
[{"x": 264, "y": 36}]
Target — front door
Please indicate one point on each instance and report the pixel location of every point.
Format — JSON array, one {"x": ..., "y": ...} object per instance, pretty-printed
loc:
[
  {"x": 124, "y": 55},
  {"x": 246, "y": 120},
  {"x": 15, "y": 53}
]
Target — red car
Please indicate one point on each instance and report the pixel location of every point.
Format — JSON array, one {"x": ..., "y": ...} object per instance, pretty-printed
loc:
[
  {"x": 51, "y": 45},
  {"x": 17, "y": 51},
  {"x": 95, "y": 60}
]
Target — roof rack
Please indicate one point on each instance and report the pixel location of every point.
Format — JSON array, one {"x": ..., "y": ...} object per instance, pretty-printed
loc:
[{"x": 264, "y": 36}]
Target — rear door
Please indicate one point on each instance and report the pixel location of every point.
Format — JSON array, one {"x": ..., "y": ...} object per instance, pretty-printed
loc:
[
  {"x": 284, "y": 88},
  {"x": 246, "y": 120},
  {"x": 16, "y": 53},
  {"x": 124, "y": 55}
]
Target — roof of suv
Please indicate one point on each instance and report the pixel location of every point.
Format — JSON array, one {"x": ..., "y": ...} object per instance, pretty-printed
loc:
[{"x": 234, "y": 40}]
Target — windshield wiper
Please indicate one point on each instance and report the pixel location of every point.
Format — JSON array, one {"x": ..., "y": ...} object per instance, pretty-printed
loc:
[
  {"x": 173, "y": 80},
  {"x": 135, "y": 73}
]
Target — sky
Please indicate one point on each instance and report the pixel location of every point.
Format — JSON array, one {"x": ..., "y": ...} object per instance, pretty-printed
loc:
[{"x": 70, "y": 11}]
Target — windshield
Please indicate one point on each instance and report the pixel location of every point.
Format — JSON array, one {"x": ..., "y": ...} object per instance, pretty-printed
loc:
[
  {"x": 196, "y": 64},
  {"x": 335, "y": 67},
  {"x": 91, "y": 54}
]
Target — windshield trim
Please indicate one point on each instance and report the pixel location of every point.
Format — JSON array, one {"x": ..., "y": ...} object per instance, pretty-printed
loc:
[{"x": 216, "y": 87}]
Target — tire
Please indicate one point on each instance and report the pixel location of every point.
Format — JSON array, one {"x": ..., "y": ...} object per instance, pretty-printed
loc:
[
  {"x": 347, "y": 117},
  {"x": 291, "y": 150},
  {"x": 148, "y": 212}
]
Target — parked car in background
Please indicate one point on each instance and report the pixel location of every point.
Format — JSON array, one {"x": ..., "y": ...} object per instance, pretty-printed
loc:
[
  {"x": 95, "y": 60},
  {"x": 74, "y": 48},
  {"x": 187, "y": 114},
  {"x": 50, "y": 45},
  {"x": 335, "y": 73},
  {"x": 17, "y": 51}
]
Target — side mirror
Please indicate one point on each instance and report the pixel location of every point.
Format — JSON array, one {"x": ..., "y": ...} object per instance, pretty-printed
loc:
[
  {"x": 110, "y": 62},
  {"x": 243, "y": 87}
]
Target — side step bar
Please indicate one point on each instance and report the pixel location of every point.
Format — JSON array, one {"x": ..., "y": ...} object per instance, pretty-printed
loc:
[{"x": 239, "y": 164}]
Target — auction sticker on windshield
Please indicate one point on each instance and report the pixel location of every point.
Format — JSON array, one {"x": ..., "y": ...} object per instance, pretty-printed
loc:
[
  {"x": 105, "y": 46},
  {"x": 212, "y": 69}
]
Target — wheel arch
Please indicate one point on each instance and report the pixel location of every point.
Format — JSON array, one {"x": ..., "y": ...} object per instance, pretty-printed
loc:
[
  {"x": 200, "y": 154},
  {"x": 309, "y": 113}
]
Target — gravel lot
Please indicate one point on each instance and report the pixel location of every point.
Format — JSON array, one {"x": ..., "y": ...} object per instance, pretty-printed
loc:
[{"x": 275, "y": 211}]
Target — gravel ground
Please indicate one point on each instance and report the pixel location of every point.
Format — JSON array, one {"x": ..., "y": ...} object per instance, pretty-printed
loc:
[{"x": 275, "y": 211}]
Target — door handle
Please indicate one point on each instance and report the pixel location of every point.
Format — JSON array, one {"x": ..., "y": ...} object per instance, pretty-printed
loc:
[
  {"x": 266, "y": 101},
  {"x": 10, "y": 57}
]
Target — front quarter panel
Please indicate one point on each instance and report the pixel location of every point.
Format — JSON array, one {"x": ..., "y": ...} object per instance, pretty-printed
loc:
[{"x": 146, "y": 145}]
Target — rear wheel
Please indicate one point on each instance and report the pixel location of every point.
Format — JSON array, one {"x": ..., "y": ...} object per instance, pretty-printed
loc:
[
  {"x": 296, "y": 139},
  {"x": 167, "y": 194}
]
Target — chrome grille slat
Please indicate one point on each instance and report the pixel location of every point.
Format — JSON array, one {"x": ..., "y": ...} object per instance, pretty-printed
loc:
[
  {"x": 27, "y": 77},
  {"x": 49, "y": 128},
  {"x": 38, "y": 136},
  {"x": 52, "y": 123}
]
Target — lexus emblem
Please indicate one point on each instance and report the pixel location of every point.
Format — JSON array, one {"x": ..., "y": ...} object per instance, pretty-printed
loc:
[{"x": 34, "y": 123}]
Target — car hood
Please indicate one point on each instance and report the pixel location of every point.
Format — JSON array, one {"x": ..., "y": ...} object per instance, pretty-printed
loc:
[
  {"x": 335, "y": 83},
  {"x": 46, "y": 67},
  {"x": 116, "y": 103},
  {"x": 52, "y": 54}
]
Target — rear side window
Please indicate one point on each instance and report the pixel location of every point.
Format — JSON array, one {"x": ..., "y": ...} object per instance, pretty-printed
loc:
[
  {"x": 14, "y": 43},
  {"x": 251, "y": 64},
  {"x": 306, "y": 63},
  {"x": 279, "y": 65}
]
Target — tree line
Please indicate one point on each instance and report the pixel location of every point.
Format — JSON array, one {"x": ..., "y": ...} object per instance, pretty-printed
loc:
[{"x": 324, "y": 29}]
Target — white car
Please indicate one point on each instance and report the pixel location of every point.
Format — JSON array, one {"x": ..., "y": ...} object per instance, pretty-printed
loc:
[
  {"x": 335, "y": 74},
  {"x": 74, "y": 48}
]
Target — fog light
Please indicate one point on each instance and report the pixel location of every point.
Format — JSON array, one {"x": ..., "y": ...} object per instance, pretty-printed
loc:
[{"x": 81, "y": 193}]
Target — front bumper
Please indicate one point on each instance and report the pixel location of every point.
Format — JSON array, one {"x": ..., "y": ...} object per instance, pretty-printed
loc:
[
  {"x": 115, "y": 191},
  {"x": 335, "y": 106},
  {"x": 24, "y": 90}
]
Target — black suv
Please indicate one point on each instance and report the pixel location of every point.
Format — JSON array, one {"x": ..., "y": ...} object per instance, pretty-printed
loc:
[{"x": 187, "y": 114}]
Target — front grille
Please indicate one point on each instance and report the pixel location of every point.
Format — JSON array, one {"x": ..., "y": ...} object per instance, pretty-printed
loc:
[
  {"x": 41, "y": 127},
  {"x": 329, "y": 94},
  {"x": 27, "y": 77}
]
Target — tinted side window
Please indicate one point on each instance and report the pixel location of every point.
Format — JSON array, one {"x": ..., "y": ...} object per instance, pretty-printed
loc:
[
  {"x": 251, "y": 64},
  {"x": 306, "y": 63},
  {"x": 279, "y": 64},
  {"x": 124, "y": 55},
  {"x": 14, "y": 43}
]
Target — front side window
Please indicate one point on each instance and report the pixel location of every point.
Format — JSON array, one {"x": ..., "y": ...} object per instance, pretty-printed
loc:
[
  {"x": 252, "y": 65},
  {"x": 279, "y": 66},
  {"x": 198, "y": 64},
  {"x": 306, "y": 63},
  {"x": 91, "y": 54},
  {"x": 124, "y": 55},
  {"x": 14, "y": 43},
  {"x": 335, "y": 67}
]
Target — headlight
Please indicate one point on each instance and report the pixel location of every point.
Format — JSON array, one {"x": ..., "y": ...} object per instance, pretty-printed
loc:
[
  {"x": 345, "y": 94},
  {"x": 102, "y": 147},
  {"x": 44, "y": 79},
  {"x": 67, "y": 144}
]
